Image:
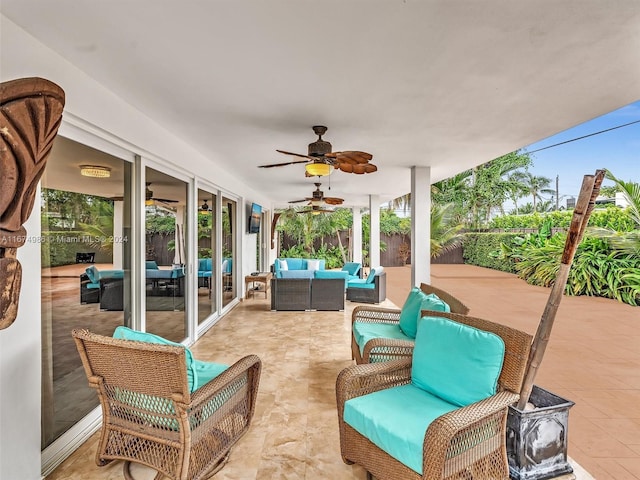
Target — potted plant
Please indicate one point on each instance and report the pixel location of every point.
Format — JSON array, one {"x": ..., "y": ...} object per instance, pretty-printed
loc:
[{"x": 537, "y": 426}]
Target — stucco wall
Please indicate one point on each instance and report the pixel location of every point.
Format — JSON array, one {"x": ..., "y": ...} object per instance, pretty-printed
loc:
[{"x": 91, "y": 107}]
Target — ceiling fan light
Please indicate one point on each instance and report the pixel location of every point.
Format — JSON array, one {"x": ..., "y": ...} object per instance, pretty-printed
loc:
[
  {"x": 318, "y": 169},
  {"x": 95, "y": 171},
  {"x": 316, "y": 202}
]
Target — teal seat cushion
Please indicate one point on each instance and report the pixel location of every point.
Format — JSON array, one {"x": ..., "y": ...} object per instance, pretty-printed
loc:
[
  {"x": 456, "y": 362},
  {"x": 417, "y": 301},
  {"x": 150, "y": 265},
  {"x": 194, "y": 367},
  {"x": 361, "y": 283},
  {"x": 332, "y": 274},
  {"x": 396, "y": 420},
  {"x": 365, "y": 331}
]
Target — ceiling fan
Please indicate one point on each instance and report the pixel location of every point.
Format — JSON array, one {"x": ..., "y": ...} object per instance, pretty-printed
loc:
[
  {"x": 320, "y": 158},
  {"x": 205, "y": 206},
  {"x": 318, "y": 198},
  {"x": 314, "y": 210},
  {"x": 148, "y": 195}
]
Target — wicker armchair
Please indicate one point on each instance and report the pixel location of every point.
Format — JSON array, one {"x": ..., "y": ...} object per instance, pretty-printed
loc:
[
  {"x": 149, "y": 414},
  {"x": 386, "y": 349},
  {"x": 467, "y": 442}
]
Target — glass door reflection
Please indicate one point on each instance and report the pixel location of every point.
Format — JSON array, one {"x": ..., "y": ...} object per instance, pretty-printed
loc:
[
  {"x": 206, "y": 228},
  {"x": 229, "y": 283},
  {"x": 165, "y": 255}
]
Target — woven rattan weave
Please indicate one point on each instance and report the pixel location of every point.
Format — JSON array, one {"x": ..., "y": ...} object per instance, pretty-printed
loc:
[
  {"x": 386, "y": 349},
  {"x": 150, "y": 417},
  {"x": 467, "y": 443}
]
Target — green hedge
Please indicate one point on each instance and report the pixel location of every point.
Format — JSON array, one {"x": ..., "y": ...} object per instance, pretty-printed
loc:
[
  {"x": 60, "y": 248},
  {"x": 611, "y": 217},
  {"x": 483, "y": 250}
]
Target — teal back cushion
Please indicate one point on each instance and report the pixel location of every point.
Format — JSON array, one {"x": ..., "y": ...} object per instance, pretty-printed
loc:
[
  {"x": 150, "y": 265},
  {"x": 93, "y": 274},
  {"x": 373, "y": 272},
  {"x": 126, "y": 333},
  {"x": 456, "y": 362},
  {"x": 352, "y": 267},
  {"x": 296, "y": 264},
  {"x": 417, "y": 301}
]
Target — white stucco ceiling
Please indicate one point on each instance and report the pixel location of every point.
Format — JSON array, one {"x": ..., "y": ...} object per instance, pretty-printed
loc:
[{"x": 442, "y": 83}]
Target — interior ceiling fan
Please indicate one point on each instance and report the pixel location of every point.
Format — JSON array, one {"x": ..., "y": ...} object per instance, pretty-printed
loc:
[
  {"x": 320, "y": 158},
  {"x": 318, "y": 198},
  {"x": 148, "y": 194},
  {"x": 205, "y": 206}
]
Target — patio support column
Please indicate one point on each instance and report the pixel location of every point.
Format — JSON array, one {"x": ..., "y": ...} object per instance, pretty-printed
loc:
[
  {"x": 374, "y": 238},
  {"x": 118, "y": 233},
  {"x": 420, "y": 225},
  {"x": 356, "y": 235}
]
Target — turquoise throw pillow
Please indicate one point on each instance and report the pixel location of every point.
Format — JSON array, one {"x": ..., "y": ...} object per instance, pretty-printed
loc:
[
  {"x": 372, "y": 274},
  {"x": 126, "y": 333},
  {"x": 456, "y": 362},
  {"x": 410, "y": 312},
  {"x": 417, "y": 301}
]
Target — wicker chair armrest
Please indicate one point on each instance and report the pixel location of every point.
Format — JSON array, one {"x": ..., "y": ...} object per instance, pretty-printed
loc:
[
  {"x": 249, "y": 366},
  {"x": 365, "y": 313},
  {"x": 460, "y": 437},
  {"x": 359, "y": 380},
  {"x": 384, "y": 349}
]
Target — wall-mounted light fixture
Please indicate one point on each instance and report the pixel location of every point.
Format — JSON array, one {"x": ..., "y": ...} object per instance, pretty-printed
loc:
[{"x": 95, "y": 171}]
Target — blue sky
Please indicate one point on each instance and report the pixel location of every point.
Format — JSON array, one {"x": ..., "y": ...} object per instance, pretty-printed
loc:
[{"x": 618, "y": 151}]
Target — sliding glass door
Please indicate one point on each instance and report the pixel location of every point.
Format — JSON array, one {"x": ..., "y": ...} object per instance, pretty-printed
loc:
[
  {"x": 86, "y": 251},
  {"x": 207, "y": 257},
  {"x": 229, "y": 232},
  {"x": 165, "y": 273}
]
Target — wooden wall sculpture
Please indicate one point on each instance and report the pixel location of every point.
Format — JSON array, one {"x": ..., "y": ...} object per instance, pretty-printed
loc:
[{"x": 30, "y": 114}]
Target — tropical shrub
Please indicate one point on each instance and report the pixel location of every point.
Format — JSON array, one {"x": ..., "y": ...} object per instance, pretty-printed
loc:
[
  {"x": 597, "y": 269},
  {"x": 331, "y": 255},
  {"x": 484, "y": 250}
]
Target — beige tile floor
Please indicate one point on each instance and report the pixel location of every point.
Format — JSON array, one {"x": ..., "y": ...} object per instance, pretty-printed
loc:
[{"x": 592, "y": 359}]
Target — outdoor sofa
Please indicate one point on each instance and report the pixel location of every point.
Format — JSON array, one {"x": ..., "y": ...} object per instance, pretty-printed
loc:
[{"x": 307, "y": 293}]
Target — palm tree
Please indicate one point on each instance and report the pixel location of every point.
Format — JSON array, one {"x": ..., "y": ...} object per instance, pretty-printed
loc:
[
  {"x": 516, "y": 187},
  {"x": 537, "y": 185},
  {"x": 445, "y": 232},
  {"x": 625, "y": 242}
]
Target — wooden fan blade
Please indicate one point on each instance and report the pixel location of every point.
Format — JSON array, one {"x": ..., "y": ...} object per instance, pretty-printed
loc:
[
  {"x": 282, "y": 164},
  {"x": 296, "y": 154},
  {"x": 351, "y": 156},
  {"x": 299, "y": 201},
  {"x": 345, "y": 167},
  {"x": 333, "y": 200}
]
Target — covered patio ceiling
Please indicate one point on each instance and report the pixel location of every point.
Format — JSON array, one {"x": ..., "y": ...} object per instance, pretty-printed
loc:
[{"x": 436, "y": 83}]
